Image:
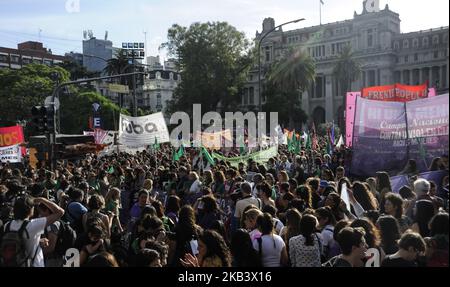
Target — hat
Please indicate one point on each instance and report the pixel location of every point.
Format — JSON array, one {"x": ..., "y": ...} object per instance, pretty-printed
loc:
[{"x": 323, "y": 183}]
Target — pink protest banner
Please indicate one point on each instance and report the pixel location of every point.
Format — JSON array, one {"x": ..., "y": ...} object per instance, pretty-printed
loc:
[
  {"x": 11, "y": 136},
  {"x": 350, "y": 116}
]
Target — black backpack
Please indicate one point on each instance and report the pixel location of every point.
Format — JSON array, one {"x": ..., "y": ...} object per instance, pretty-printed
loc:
[
  {"x": 13, "y": 251},
  {"x": 66, "y": 238}
]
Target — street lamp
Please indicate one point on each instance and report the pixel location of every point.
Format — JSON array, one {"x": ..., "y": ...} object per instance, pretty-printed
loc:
[{"x": 259, "y": 57}]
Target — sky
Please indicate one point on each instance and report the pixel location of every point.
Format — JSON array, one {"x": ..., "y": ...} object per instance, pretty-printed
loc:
[{"x": 60, "y": 23}]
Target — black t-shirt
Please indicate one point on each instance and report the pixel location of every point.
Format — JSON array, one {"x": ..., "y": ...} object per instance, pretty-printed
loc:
[{"x": 397, "y": 262}]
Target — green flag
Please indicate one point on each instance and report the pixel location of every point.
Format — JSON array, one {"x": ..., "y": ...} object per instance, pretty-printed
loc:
[
  {"x": 111, "y": 170},
  {"x": 308, "y": 142},
  {"x": 178, "y": 154},
  {"x": 207, "y": 156},
  {"x": 242, "y": 147},
  {"x": 156, "y": 144}
]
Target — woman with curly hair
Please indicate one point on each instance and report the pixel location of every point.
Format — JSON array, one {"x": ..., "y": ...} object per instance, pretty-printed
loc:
[
  {"x": 212, "y": 252},
  {"x": 373, "y": 240},
  {"x": 186, "y": 232},
  {"x": 390, "y": 233},
  {"x": 364, "y": 196},
  {"x": 393, "y": 205}
]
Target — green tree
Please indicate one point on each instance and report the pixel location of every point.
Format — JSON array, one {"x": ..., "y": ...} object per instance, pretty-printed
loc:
[
  {"x": 290, "y": 76},
  {"x": 24, "y": 88},
  {"x": 346, "y": 71},
  {"x": 213, "y": 59},
  {"x": 76, "y": 70},
  {"x": 76, "y": 108}
]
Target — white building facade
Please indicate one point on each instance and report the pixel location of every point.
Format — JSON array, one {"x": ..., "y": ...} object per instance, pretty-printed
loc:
[{"x": 386, "y": 56}]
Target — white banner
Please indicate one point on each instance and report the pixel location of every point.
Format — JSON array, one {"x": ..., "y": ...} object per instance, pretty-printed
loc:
[
  {"x": 142, "y": 131},
  {"x": 11, "y": 154}
]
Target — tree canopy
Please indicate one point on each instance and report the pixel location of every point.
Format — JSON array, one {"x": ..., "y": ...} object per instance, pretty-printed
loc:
[
  {"x": 27, "y": 87},
  {"x": 213, "y": 59}
]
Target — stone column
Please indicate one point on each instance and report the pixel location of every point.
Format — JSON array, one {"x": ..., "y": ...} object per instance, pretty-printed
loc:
[
  {"x": 401, "y": 77},
  {"x": 329, "y": 115},
  {"x": 430, "y": 74}
]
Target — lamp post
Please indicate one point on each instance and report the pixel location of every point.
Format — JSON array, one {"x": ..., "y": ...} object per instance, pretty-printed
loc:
[{"x": 259, "y": 56}]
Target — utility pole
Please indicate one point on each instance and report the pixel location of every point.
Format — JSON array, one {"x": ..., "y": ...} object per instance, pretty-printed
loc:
[{"x": 134, "y": 86}]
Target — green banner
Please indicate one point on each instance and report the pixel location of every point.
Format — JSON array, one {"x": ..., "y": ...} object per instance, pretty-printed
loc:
[{"x": 259, "y": 156}]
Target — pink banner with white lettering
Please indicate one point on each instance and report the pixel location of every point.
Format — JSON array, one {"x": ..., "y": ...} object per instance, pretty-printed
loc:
[
  {"x": 350, "y": 117},
  {"x": 350, "y": 113}
]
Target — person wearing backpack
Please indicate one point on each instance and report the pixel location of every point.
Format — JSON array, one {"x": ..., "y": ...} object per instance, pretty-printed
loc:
[
  {"x": 75, "y": 209},
  {"x": 20, "y": 244},
  {"x": 60, "y": 238}
]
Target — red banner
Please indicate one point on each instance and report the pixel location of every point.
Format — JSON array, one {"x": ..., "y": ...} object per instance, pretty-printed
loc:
[
  {"x": 395, "y": 93},
  {"x": 12, "y": 136}
]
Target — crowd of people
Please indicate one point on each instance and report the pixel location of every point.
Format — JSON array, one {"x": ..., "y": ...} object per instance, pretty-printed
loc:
[{"x": 146, "y": 209}]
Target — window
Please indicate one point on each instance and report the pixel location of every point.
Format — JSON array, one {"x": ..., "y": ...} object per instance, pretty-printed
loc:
[
  {"x": 369, "y": 37},
  {"x": 405, "y": 44},
  {"x": 435, "y": 39},
  {"x": 26, "y": 61},
  {"x": 245, "y": 96},
  {"x": 436, "y": 54},
  {"x": 333, "y": 50},
  {"x": 3, "y": 58},
  {"x": 406, "y": 59},
  {"x": 415, "y": 43},
  {"x": 15, "y": 59},
  {"x": 267, "y": 54},
  {"x": 158, "y": 100},
  {"x": 251, "y": 96},
  {"x": 48, "y": 62},
  {"x": 250, "y": 78},
  {"x": 396, "y": 45},
  {"x": 425, "y": 41},
  {"x": 416, "y": 57}
]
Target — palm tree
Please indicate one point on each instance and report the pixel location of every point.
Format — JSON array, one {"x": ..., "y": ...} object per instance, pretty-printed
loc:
[
  {"x": 117, "y": 65},
  {"x": 346, "y": 71},
  {"x": 293, "y": 74}
]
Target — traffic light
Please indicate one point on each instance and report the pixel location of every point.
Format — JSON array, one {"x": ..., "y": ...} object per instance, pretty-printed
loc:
[
  {"x": 50, "y": 118},
  {"x": 43, "y": 118},
  {"x": 39, "y": 120}
]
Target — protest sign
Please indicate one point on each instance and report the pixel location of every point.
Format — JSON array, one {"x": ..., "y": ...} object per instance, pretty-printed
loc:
[
  {"x": 11, "y": 154},
  {"x": 142, "y": 131}
]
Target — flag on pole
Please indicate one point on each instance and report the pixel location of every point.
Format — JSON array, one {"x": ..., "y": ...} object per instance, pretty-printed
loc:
[
  {"x": 156, "y": 144},
  {"x": 340, "y": 142},
  {"x": 207, "y": 156},
  {"x": 308, "y": 142},
  {"x": 178, "y": 154}
]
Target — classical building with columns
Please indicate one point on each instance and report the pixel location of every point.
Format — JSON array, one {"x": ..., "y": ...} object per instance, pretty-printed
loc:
[{"x": 386, "y": 56}]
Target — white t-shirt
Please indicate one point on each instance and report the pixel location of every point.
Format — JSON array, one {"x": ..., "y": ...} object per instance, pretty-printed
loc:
[
  {"x": 272, "y": 245},
  {"x": 278, "y": 225},
  {"x": 195, "y": 187},
  {"x": 35, "y": 229}
]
